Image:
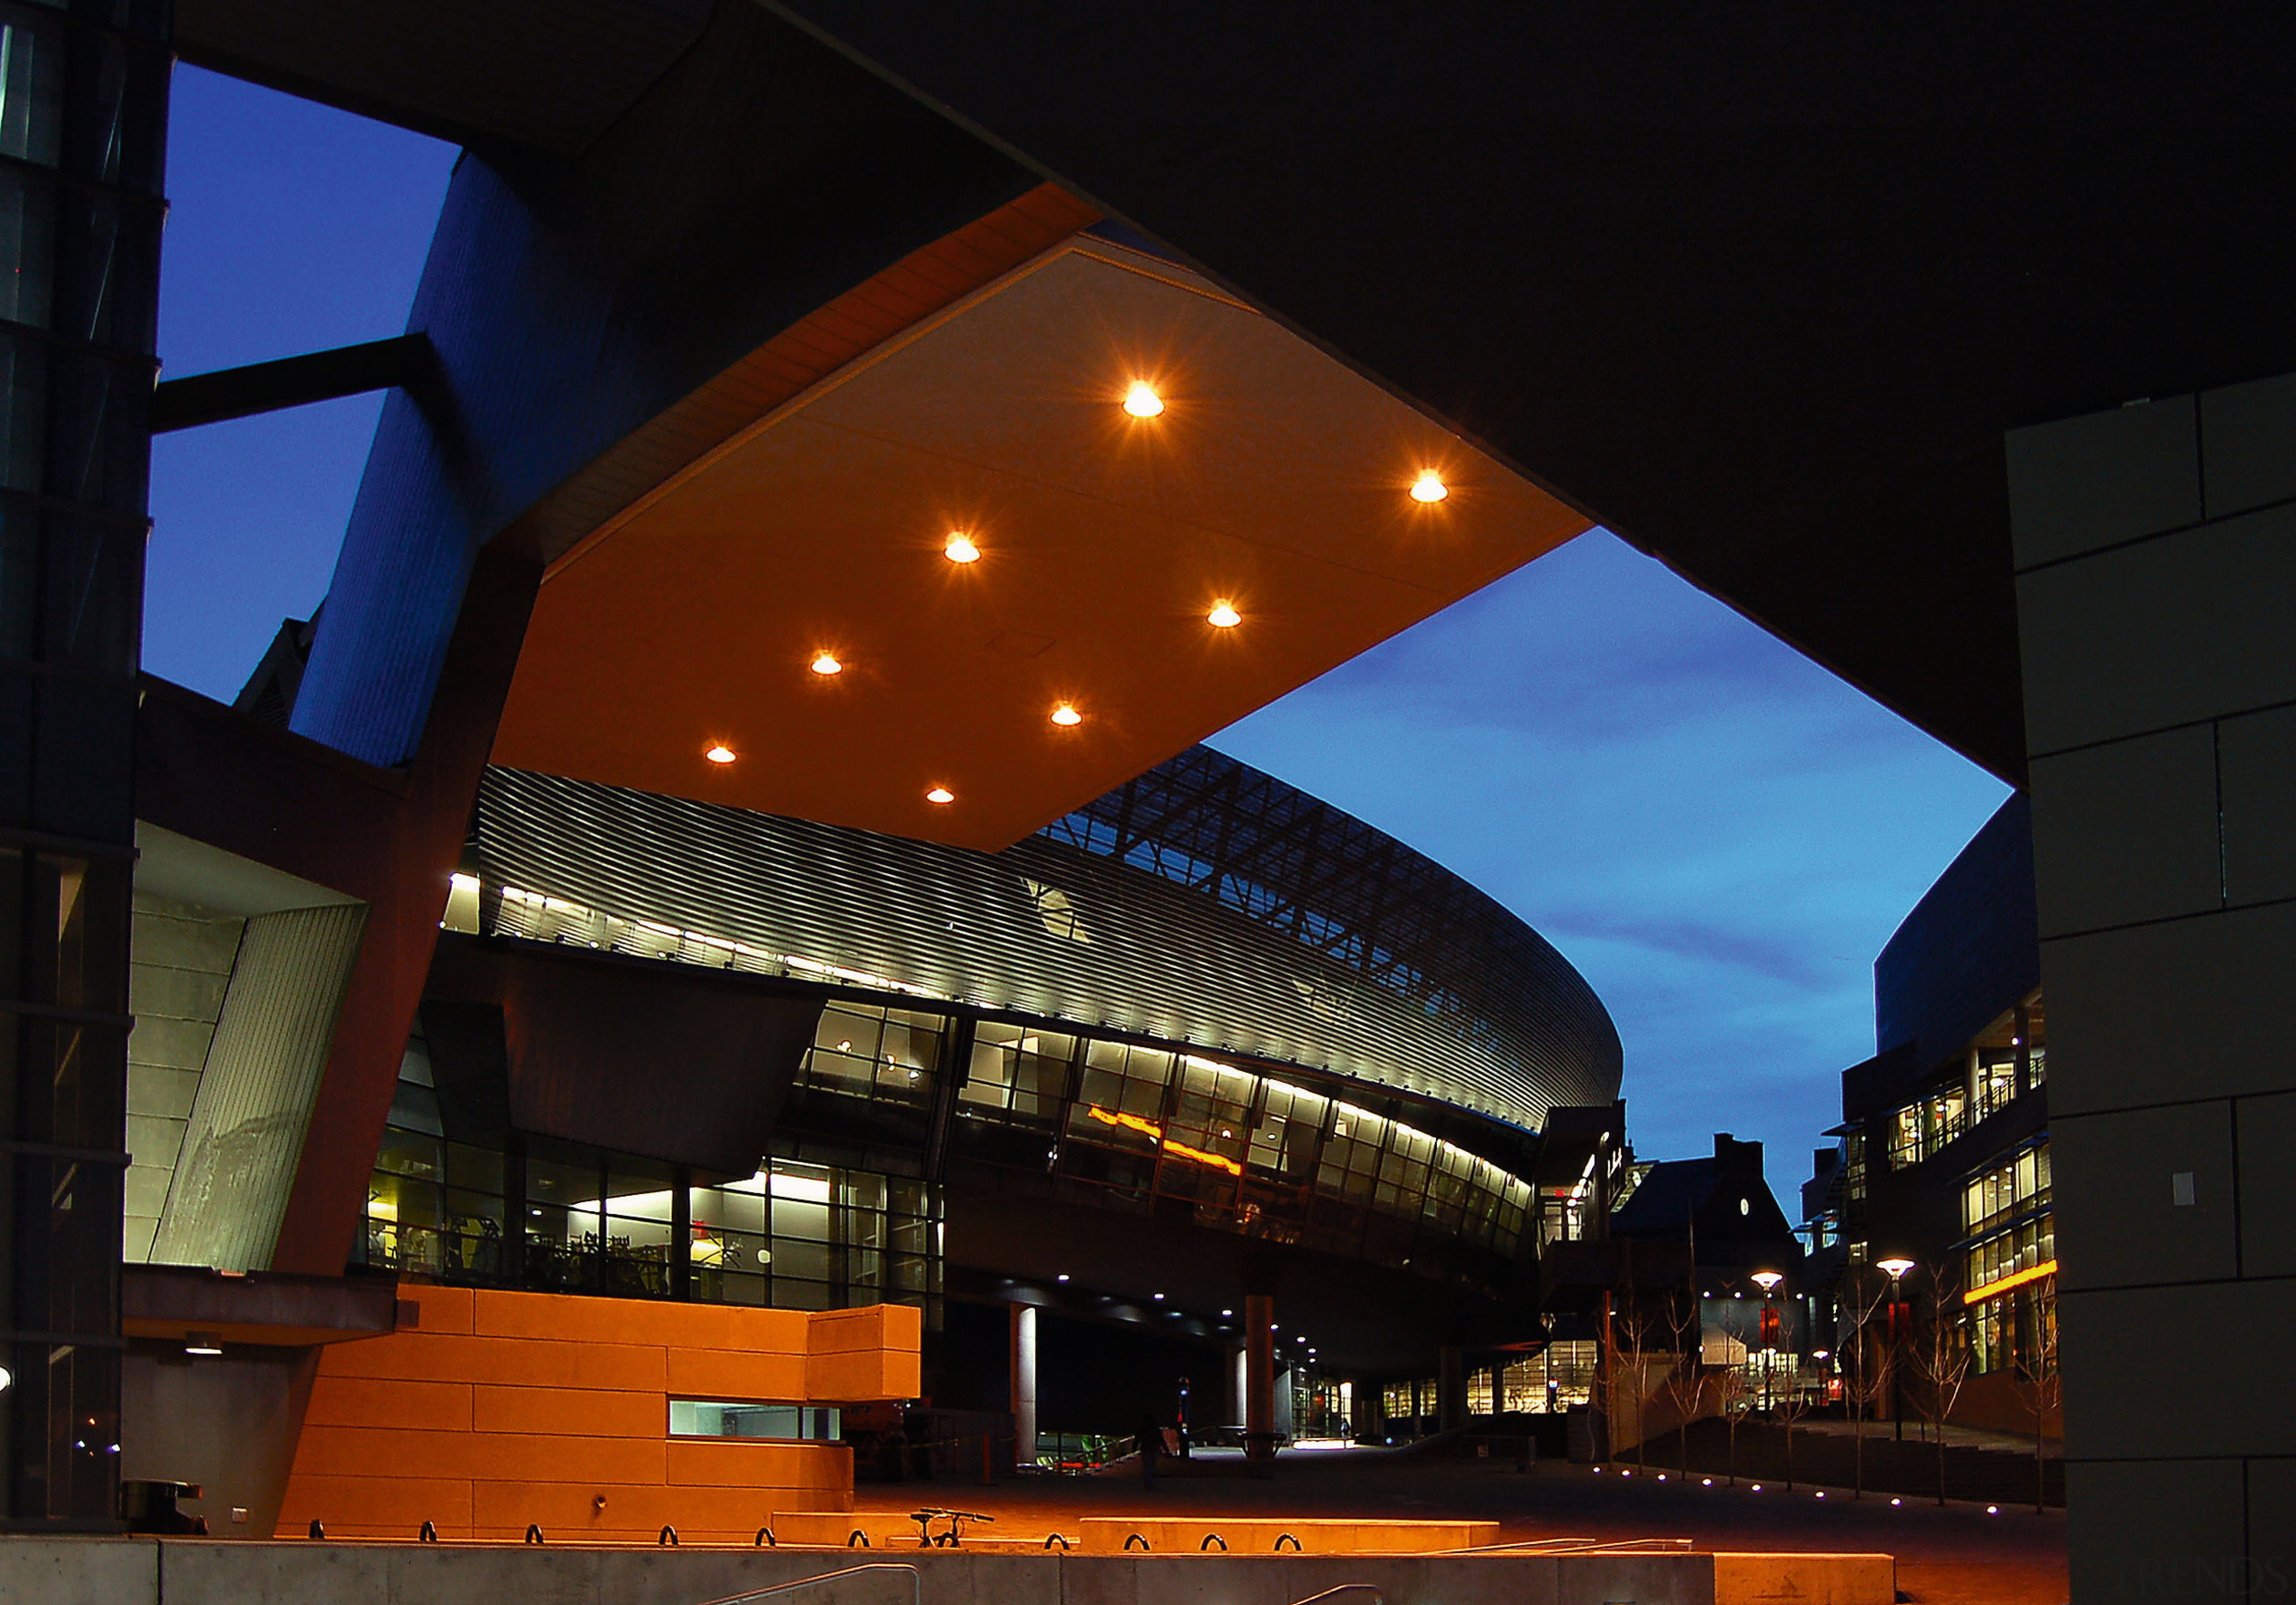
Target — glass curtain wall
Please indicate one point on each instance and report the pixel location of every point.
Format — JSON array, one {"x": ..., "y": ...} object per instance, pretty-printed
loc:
[
  {"x": 84, "y": 91},
  {"x": 793, "y": 1236},
  {"x": 1247, "y": 1152},
  {"x": 2010, "y": 1232},
  {"x": 1113, "y": 1124}
]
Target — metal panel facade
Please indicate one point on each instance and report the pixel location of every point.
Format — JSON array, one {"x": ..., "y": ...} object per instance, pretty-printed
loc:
[{"x": 1452, "y": 998}]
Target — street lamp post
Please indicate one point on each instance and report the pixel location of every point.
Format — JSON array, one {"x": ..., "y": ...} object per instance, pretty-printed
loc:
[
  {"x": 1897, "y": 1269},
  {"x": 1768, "y": 1280}
]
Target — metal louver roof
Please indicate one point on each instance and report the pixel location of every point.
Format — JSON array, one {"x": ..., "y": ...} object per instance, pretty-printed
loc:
[{"x": 1296, "y": 934}]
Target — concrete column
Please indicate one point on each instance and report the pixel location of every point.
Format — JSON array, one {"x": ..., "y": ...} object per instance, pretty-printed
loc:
[
  {"x": 1259, "y": 1376},
  {"x": 2155, "y": 546},
  {"x": 1450, "y": 1388},
  {"x": 1024, "y": 1384},
  {"x": 1232, "y": 1412}
]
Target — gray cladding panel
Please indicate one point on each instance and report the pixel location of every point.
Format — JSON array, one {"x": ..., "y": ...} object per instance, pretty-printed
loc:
[
  {"x": 255, "y": 1097},
  {"x": 180, "y": 966}
]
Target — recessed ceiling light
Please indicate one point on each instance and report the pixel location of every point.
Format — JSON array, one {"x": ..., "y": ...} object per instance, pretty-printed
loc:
[
  {"x": 1160, "y": 1297},
  {"x": 720, "y": 754},
  {"x": 827, "y": 664},
  {"x": 1062, "y": 1276},
  {"x": 940, "y": 794},
  {"x": 1224, "y": 615},
  {"x": 1428, "y": 486},
  {"x": 1064, "y": 714},
  {"x": 1140, "y": 400},
  {"x": 201, "y": 1343},
  {"x": 959, "y": 547}
]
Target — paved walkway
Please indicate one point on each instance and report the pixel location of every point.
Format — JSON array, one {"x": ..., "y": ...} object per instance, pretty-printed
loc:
[{"x": 1956, "y": 1556}]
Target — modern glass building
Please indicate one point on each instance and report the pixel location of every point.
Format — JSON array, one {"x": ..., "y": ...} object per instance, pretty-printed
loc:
[{"x": 1204, "y": 1003}]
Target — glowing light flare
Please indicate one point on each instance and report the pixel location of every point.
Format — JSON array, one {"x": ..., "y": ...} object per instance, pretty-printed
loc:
[
  {"x": 826, "y": 663},
  {"x": 1064, "y": 714},
  {"x": 2046, "y": 1268},
  {"x": 1129, "y": 1121},
  {"x": 1429, "y": 487},
  {"x": 719, "y": 753},
  {"x": 959, "y": 548},
  {"x": 1140, "y": 400},
  {"x": 1215, "y": 1161},
  {"x": 1156, "y": 1133},
  {"x": 1223, "y": 616},
  {"x": 940, "y": 795}
]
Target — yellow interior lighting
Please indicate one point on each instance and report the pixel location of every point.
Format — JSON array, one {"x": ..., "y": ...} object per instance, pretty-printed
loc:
[{"x": 2046, "y": 1268}]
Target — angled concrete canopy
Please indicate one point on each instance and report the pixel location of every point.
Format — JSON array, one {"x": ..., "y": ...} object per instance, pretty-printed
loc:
[{"x": 1275, "y": 481}]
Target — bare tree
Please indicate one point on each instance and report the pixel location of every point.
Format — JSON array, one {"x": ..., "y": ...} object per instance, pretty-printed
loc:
[
  {"x": 1630, "y": 1334},
  {"x": 1942, "y": 1361},
  {"x": 1686, "y": 1381},
  {"x": 1788, "y": 1408},
  {"x": 1736, "y": 1400},
  {"x": 1864, "y": 1375},
  {"x": 2034, "y": 1376}
]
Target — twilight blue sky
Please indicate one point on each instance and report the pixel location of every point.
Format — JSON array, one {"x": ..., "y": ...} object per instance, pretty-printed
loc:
[{"x": 1720, "y": 835}]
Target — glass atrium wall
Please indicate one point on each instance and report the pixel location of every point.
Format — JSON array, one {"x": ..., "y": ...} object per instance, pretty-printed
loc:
[
  {"x": 794, "y": 1236},
  {"x": 1069, "y": 1111}
]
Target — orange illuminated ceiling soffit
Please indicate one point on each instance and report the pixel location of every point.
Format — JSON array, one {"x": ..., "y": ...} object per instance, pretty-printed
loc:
[{"x": 1007, "y": 558}]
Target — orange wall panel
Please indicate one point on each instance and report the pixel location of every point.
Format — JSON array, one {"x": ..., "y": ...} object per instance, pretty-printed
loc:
[
  {"x": 374, "y": 1506},
  {"x": 366, "y": 1400},
  {"x": 575, "y": 1412},
  {"x": 420, "y": 1356},
  {"x": 638, "y": 1321},
  {"x": 775, "y": 1331},
  {"x": 566, "y": 1513},
  {"x": 866, "y": 1354},
  {"x": 441, "y": 1308},
  {"x": 496, "y": 1410},
  {"x": 722, "y": 1374},
  {"x": 732, "y": 1462},
  {"x": 349, "y": 1451}
]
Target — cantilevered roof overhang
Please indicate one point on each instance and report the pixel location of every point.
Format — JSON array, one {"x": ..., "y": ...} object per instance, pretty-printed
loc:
[{"x": 1274, "y": 482}]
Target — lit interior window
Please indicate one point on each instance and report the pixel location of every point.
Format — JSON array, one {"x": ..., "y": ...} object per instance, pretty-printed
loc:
[{"x": 741, "y": 1419}]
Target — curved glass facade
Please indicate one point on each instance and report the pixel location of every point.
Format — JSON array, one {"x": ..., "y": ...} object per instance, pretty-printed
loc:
[{"x": 1062, "y": 1020}]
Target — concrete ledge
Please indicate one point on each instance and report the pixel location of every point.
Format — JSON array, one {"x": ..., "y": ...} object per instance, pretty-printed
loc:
[
  {"x": 1163, "y": 1535},
  {"x": 1191, "y": 1535},
  {"x": 1805, "y": 1579},
  {"x": 221, "y": 1571}
]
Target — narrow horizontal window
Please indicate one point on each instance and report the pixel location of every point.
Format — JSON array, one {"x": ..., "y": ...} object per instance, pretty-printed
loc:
[{"x": 750, "y": 1419}]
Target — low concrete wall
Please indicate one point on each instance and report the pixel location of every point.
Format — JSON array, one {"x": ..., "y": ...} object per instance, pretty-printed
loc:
[
  {"x": 193, "y": 1572},
  {"x": 1162, "y": 1535}
]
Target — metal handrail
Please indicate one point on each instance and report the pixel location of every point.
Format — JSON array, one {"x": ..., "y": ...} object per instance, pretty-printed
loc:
[
  {"x": 1378, "y": 1596},
  {"x": 1580, "y": 1545},
  {"x": 916, "y": 1583}
]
